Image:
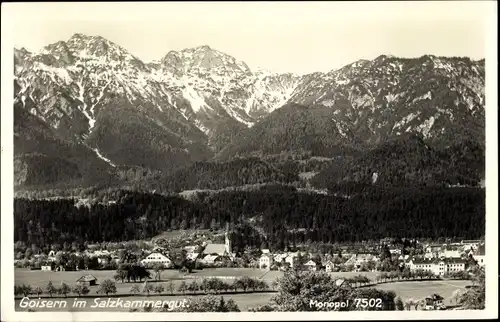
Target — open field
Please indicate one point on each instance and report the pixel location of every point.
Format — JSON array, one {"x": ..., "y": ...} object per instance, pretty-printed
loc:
[
  {"x": 370, "y": 275},
  {"x": 419, "y": 290},
  {"x": 178, "y": 233},
  {"x": 415, "y": 290},
  {"x": 40, "y": 278}
]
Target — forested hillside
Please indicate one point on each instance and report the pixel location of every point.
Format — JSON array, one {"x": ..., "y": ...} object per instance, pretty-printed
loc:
[
  {"x": 285, "y": 216},
  {"x": 408, "y": 161},
  {"x": 219, "y": 175}
]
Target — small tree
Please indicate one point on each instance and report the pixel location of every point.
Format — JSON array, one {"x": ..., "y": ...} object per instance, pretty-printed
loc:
[
  {"x": 158, "y": 268},
  {"x": 38, "y": 291},
  {"x": 408, "y": 304},
  {"x": 107, "y": 286},
  {"x": 399, "y": 304},
  {"x": 148, "y": 288},
  {"x": 183, "y": 287},
  {"x": 51, "y": 289},
  {"x": 159, "y": 289},
  {"x": 65, "y": 289},
  {"x": 26, "y": 289},
  {"x": 193, "y": 287},
  {"x": 18, "y": 290},
  {"x": 171, "y": 287},
  {"x": 274, "y": 284},
  {"x": 120, "y": 275},
  {"x": 135, "y": 289},
  {"x": 81, "y": 290}
]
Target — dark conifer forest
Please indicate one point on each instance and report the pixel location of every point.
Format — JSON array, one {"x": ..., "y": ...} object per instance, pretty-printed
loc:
[{"x": 280, "y": 216}]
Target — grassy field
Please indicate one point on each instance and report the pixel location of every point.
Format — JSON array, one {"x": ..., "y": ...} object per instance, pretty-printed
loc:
[
  {"x": 406, "y": 290},
  {"x": 41, "y": 279},
  {"x": 419, "y": 290},
  {"x": 178, "y": 233}
]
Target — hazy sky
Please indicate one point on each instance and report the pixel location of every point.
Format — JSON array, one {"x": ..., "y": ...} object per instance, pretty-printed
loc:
[{"x": 295, "y": 36}]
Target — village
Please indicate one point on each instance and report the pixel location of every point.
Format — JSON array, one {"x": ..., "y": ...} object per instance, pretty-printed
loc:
[{"x": 440, "y": 259}]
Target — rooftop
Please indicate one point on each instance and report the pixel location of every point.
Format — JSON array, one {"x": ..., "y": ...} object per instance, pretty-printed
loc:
[
  {"x": 215, "y": 249},
  {"x": 87, "y": 278}
]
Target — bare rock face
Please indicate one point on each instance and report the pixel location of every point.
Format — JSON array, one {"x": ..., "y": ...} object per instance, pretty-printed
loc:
[{"x": 193, "y": 103}]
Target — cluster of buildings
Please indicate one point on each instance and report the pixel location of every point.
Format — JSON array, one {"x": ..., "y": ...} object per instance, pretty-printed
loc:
[
  {"x": 441, "y": 259},
  {"x": 289, "y": 260},
  {"x": 209, "y": 254},
  {"x": 449, "y": 259}
]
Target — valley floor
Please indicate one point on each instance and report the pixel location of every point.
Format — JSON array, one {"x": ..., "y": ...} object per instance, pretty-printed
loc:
[{"x": 415, "y": 290}]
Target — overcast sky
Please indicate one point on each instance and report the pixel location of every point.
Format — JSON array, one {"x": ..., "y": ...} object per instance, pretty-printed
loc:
[{"x": 297, "y": 37}]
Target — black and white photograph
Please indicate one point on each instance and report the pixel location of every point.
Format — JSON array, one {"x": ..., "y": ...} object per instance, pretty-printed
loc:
[{"x": 249, "y": 160}]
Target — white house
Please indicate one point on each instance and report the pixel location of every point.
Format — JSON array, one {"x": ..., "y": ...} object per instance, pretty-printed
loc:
[
  {"x": 474, "y": 244},
  {"x": 454, "y": 265},
  {"x": 192, "y": 256},
  {"x": 46, "y": 267},
  {"x": 329, "y": 266},
  {"x": 51, "y": 256},
  {"x": 290, "y": 259},
  {"x": 310, "y": 265},
  {"x": 430, "y": 265},
  {"x": 433, "y": 248},
  {"x": 360, "y": 258},
  {"x": 265, "y": 261},
  {"x": 438, "y": 267},
  {"x": 279, "y": 257},
  {"x": 404, "y": 258},
  {"x": 210, "y": 259},
  {"x": 395, "y": 251},
  {"x": 155, "y": 258},
  {"x": 452, "y": 252}
]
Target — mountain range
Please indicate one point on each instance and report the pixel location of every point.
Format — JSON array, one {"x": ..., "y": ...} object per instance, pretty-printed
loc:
[{"x": 86, "y": 110}]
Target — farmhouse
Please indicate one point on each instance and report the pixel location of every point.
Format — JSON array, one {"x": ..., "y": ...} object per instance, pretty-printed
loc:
[
  {"x": 361, "y": 258},
  {"x": 433, "y": 248},
  {"x": 87, "y": 280},
  {"x": 290, "y": 259},
  {"x": 280, "y": 257},
  {"x": 48, "y": 267},
  {"x": 329, "y": 266},
  {"x": 434, "y": 302},
  {"x": 265, "y": 261},
  {"x": 212, "y": 259},
  {"x": 395, "y": 251},
  {"x": 310, "y": 266},
  {"x": 192, "y": 256},
  {"x": 403, "y": 258},
  {"x": 156, "y": 258}
]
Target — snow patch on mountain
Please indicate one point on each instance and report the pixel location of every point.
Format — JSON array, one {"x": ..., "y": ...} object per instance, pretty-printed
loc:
[
  {"x": 100, "y": 156},
  {"x": 407, "y": 119},
  {"x": 197, "y": 102},
  {"x": 426, "y": 126}
]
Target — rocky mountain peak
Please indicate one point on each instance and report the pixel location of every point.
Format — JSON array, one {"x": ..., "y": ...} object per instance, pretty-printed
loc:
[{"x": 94, "y": 90}]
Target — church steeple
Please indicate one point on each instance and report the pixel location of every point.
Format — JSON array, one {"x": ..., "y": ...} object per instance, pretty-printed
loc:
[{"x": 227, "y": 240}]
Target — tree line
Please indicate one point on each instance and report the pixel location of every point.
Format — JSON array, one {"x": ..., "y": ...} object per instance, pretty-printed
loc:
[{"x": 281, "y": 218}]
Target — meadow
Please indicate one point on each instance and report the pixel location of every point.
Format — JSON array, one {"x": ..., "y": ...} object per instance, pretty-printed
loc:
[{"x": 405, "y": 289}]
